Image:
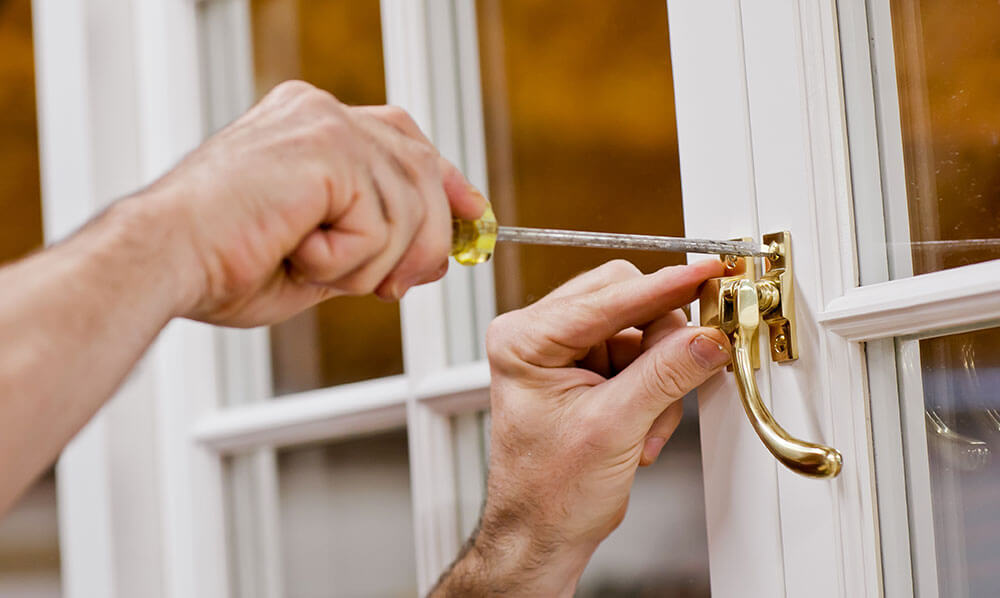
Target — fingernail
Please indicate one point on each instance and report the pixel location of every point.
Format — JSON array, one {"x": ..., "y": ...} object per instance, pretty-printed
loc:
[
  {"x": 651, "y": 450},
  {"x": 708, "y": 353}
]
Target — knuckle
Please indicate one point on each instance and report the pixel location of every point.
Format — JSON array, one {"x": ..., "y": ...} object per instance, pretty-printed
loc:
[
  {"x": 329, "y": 127},
  {"x": 317, "y": 100},
  {"x": 398, "y": 116},
  {"x": 623, "y": 268},
  {"x": 665, "y": 379},
  {"x": 291, "y": 88},
  {"x": 427, "y": 158}
]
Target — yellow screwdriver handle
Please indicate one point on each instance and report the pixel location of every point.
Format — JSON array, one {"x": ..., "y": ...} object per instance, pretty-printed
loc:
[{"x": 472, "y": 241}]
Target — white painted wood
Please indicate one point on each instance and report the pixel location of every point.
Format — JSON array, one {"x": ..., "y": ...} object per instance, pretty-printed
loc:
[
  {"x": 341, "y": 411},
  {"x": 185, "y": 358},
  {"x": 940, "y": 300},
  {"x": 803, "y": 185},
  {"x": 889, "y": 458},
  {"x": 455, "y": 381},
  {"x": 326, "y": 413},
  {"x": 741, "y": 489},
  {"x": 923, "y": 550},
  {"x": 860, "y": 110}
]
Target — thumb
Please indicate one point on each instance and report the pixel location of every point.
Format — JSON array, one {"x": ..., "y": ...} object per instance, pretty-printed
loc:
[{"x": 667, "y": 371}]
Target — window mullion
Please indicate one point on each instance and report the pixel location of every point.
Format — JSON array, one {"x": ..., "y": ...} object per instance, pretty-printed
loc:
[{"x": 442, "y": 322}]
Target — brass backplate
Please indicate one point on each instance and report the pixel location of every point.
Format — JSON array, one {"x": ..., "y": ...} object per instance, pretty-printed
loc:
[
  {"x": 776, "y": 289},
  {"x": 780, "y": 319}
]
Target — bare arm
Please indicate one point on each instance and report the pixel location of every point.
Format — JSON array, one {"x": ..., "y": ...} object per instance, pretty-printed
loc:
[
  {"x": 74, "y": 320},
  {"x": 300, "y": 200}
]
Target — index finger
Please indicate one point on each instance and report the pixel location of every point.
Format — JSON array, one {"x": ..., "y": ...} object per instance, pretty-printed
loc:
[{"x": 555, "y": 333}]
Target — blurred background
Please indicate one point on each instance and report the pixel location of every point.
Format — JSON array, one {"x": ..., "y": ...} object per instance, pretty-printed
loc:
[{"x": 580, "y": 130}]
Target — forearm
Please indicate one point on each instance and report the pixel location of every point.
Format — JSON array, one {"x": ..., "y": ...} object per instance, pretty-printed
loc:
[
  {"x": 74, "y": 319},
  {"x": 502, "y": 560}
]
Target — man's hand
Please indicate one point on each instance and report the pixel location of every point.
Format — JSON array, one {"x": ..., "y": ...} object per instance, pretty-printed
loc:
[
  {"x": 586, "y": 387},
  {"x": 304, "y": 198}
]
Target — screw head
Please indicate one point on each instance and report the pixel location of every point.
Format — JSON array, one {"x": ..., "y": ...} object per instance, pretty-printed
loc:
[{"x": 780, "y": 344}]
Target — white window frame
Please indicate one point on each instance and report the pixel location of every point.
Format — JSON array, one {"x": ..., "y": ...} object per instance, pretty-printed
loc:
[{"x": 822, "y": 141}]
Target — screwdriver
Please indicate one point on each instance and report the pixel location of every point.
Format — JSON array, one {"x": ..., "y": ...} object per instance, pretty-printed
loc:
[{"x": 473, "y": 241}]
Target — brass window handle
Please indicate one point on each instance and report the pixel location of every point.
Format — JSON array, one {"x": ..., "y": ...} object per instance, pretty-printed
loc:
[
  {"x": 807, "y": 458},
  {"x": 738, "y": 304}
]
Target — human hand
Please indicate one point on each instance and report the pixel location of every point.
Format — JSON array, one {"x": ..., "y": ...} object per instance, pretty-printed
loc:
[
  {"x": 586, "y": 387},
  {"x": 302, "y": 199}
]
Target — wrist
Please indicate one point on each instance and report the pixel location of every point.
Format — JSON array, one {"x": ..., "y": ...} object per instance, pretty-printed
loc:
[{"x": 142, "y": 229}]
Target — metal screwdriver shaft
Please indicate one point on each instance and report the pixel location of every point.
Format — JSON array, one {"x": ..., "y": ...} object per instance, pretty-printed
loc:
[
  {"x": 473, "y": 241},
  {"x": 572, "y": 238}
]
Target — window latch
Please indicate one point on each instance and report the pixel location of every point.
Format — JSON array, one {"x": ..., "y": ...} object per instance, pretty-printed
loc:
[{"x": 737, "y": 304}]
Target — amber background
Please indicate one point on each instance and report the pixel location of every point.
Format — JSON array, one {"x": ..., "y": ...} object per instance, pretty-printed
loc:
[
  {"x": 948, "y": 75},
  {"x": 948, "y": 72},
  {"x": 20, "y": 194},
  {"x": 581, "y": 132}
]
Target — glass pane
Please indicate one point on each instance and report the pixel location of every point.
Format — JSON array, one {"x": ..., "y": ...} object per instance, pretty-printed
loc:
[
  {"x": 580, "y": 130},
  {"x": 29, "y": 531},
  {"x": 346, "y": 519},
  {"x": 323, "y": 520},
  {"x": 947, "y": 61},
  {"x": 960, "y": 375},
  {"x": 335, "y": 45}
]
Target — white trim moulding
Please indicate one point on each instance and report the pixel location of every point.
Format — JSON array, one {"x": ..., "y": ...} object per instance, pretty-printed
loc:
[
  {"x": 940, "y": 300},
  {"x": 325, "y": 414}
]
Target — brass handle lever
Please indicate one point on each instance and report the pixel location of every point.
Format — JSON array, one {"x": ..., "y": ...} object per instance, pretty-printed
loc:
[
  {"x": 738, "y": 305},
  {"x": 807, "y": 458}
]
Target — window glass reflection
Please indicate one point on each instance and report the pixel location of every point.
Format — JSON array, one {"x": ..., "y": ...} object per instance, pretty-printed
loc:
[
  {"x": 961, "y": 377},
  {"x": 580, "y": 130},
  {"x": 947, "y": 62}
]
